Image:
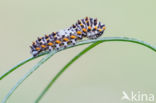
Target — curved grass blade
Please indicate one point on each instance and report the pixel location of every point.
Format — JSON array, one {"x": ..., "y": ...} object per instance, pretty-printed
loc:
[
  {"x": 106, "y": 39},
  {"x": 85, "y": 51},
  {"x": 64, "y": 68},
  {"x": 81, "y": 43},
  {"x": 27, "y": 75},
  {"x": 18, "y": 65},
  {"x": 15, "y": 67}
]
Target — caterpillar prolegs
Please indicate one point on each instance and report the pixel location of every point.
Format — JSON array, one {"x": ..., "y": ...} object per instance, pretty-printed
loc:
[{"x": 85, "y": 28}]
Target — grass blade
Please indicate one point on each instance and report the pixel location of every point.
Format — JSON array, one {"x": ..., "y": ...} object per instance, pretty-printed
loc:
[
  {"x": 64, "y": 68},
  {"x": 95, "y": 41},
  {"x": 18, "y": 65},
  {"x": 84, "y": 51},
  {"x": 27, "y": 75},
  {"x": 82, "y": 43},
  {"x": 15, "y": 67}
]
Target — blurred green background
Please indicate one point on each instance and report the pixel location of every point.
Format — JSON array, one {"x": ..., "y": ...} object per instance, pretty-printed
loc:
[{"x": 99, "y": 76}]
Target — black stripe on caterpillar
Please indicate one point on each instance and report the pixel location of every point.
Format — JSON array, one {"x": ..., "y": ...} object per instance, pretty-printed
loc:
[{"x": 85, "y": 28}]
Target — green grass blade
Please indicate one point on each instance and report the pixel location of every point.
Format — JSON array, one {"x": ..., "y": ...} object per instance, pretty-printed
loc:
[
  {"x": 87, "y": 49},
  {"x": 15, "y": 67},
  {"x": 106, "y": 39},
  {"x": 82, "y": 43},
  {"x": 27, "y": 75},
  {"x": 18, "y": 65},
  {"x": 64, "y": 68}
]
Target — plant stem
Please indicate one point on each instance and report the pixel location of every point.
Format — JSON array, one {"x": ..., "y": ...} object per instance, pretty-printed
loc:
[
  {"x": 96, "y": 42},
  {"x": 27, "y": 75},
  {"x": 81, "y": 43},
  {"x": 64, "y": 68},
  {"x": 18, "y": 65},
  {"x": 84, "y": 51},
  {"x": 15, "y": 67}
]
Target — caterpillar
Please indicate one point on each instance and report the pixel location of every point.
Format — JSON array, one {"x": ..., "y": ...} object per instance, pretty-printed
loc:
[{"x": 85, "y": 28}]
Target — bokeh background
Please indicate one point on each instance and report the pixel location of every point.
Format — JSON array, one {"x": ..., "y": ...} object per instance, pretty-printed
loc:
[{"x": 99, "y": 76}]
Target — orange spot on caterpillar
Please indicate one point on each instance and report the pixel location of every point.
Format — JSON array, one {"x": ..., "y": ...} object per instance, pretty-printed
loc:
[
  {"x": 79, "y": 32},
  {"x": 89, "y": 27},
  {"x": 100, "y": 30},
  {"x": 58, "y": 41},
  {"x": 50, "y": 43},
  {"x": 95, "y": 27},
  {"x": 87, "y": 21},
  {"x": 104, "y": 28},
  {"x": 81, "y": 24},
  {"x": 37, "y": 48},
  {"x": 84, "y": 30},
  {"x": 72, "y": 36},
  {"x": 43, "y": 46},
  {"x": 65, "y": 39}
]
